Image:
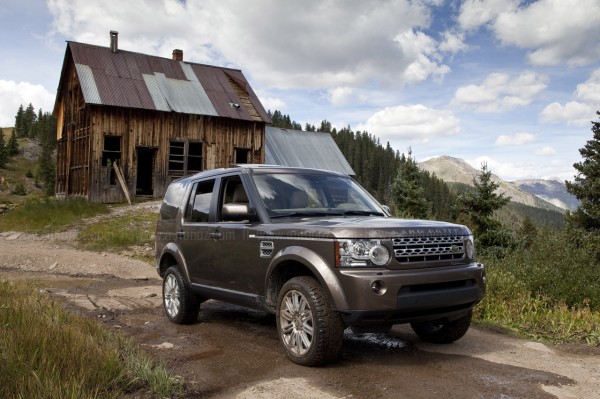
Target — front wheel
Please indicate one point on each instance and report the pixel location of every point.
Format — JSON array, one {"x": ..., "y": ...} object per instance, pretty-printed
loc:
[
  {"x": 180, "y": 303},
  {"x": 309, "y": 329},
  {"x": 443, "y": 332}
]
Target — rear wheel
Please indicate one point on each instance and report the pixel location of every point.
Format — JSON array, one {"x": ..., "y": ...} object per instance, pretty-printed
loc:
[
  {"x": 443, "y": 331},
  {"x": 309, "y": 329},
  {"x": 180, "y": 303}
]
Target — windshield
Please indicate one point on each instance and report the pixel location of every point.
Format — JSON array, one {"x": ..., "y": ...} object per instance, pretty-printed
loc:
[{"x": 293, "y": 194}]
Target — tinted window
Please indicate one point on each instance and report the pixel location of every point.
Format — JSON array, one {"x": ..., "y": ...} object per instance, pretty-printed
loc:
[
  {"x": 198, "y": 209},
  {"x": 172, "y": 201}
]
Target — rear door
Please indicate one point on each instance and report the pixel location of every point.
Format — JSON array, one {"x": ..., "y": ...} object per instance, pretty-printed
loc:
[{"x": 194, "y": 237}]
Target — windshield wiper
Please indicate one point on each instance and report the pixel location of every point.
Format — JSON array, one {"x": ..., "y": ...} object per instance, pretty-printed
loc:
[
  {"x": 303, "y": 213},
  {"x": 361, "y": 213}
]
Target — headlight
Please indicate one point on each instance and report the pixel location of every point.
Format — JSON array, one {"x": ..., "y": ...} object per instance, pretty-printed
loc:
[
  {"x": 361, "y": 253},
  {"x": 470, "y": 247}
]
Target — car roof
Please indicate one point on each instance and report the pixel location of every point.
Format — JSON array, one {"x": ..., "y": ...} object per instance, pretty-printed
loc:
[{"x": 257, "y": 169}]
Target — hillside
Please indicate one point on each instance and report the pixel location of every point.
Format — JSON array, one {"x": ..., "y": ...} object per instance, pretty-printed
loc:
[{"x": 456, "y": 170}]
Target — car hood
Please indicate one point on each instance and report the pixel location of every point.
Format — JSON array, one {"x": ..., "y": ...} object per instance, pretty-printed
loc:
[{"x": 363, "y": 227}]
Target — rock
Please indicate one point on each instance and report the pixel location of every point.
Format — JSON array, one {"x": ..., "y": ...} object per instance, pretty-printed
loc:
[
  {"x": 52, "y": 266},
  {"x": 13, "y": 237}
]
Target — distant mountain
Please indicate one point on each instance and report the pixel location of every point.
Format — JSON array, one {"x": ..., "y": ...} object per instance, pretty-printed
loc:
[
  {"x": 553, "y": 191},
  {"x": 456, "y": 170}
]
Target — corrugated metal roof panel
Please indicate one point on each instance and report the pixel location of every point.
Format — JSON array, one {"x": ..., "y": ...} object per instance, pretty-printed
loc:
[
  {"x": 160, "y": 103},
  {"x": 304, "y": 149},
  {"x": 88, "y": 84}
]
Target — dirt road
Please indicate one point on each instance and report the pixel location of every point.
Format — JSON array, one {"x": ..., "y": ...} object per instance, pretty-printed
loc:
[{"x": 234, "y": 352}]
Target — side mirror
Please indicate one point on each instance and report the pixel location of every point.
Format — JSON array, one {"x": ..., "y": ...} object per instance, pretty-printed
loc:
[
  {"x": 387, "y": 210},
  {"x": 236, "y": 212}
]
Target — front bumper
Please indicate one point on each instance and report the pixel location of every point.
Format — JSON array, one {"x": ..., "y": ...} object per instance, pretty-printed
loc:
[{"x": 382, "y": 296}]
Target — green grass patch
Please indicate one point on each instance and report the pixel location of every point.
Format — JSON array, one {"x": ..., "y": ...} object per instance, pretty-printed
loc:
[
  {"x": 46, "y": 352},
  {"x": 48, "y": 215},
  {"x": 118, "y": 233}
]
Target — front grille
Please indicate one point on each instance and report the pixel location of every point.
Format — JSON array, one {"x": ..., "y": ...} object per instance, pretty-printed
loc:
[{"x": 428, "y": 249}]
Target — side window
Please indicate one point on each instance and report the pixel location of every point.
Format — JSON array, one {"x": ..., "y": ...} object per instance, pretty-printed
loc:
[{"x": 199, "y": 206}]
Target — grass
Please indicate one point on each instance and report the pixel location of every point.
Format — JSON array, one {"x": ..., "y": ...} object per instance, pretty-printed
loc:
[
  {"x": 116, "y": 234},
  {"x": 46, "y": 352},
  {"x": 509, "y": 304},
  {"x": 48, "y": 215}
]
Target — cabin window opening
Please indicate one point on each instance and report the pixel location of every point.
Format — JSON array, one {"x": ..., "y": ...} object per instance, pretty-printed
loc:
[
  {"x": 242, "y": 155},
  {"x": 185, "y": 158},
  {"x": 110, "y": 155}
]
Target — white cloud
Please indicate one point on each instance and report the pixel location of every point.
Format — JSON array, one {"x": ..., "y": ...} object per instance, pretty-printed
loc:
[
  {"x": 499, "y": 92},
  {"x": 271, "y": 103},
  {"x": 590, "y": 90},
  {"x": 414, "y": 122},
  {"x": 515, "y": 139},
  {"x": 341, "y": 95},
  {"x": 475, "y": 13},
  {"x": 453, "y": 42},
  {"x": 572, "y": 113},
  {"x": 576, "y": 113},
  {"x": 309, "y": 44},
  {"x": 546, "y": 151},
  {"x": 555, "y": 31},
  {"x": 516, "y": 170},
  {"x": 13, "y": 94}
]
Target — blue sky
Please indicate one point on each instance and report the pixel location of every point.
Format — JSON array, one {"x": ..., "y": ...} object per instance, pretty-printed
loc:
[{"x": 511, "y": 83}]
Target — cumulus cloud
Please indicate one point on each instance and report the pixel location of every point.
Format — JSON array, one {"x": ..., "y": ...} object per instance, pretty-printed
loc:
[
  {"x": 501, "y": 92},
  {"x": 13, "y": 94},
  {"x": 515, "y": 139},
  {"x": 554, "y": 31},
  {"x": 341, "y": 95},
  {"x": 309, "y": 44},
  {"x": 453, "y": 42},
  {"x": 414, "y": 122},
  {"x": 578, "y": 112},
  {"x": 271, "y": 103},
  {"x": 572, "y": 113}
]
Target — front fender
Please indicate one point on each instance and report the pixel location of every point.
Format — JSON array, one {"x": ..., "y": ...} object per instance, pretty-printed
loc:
[
  {"x": 173, "y": 250},
  {"x": 319, "y": 267}
]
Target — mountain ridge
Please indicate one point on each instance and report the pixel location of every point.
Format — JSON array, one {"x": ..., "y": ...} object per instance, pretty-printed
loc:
[{"x": 547, "y": 194}]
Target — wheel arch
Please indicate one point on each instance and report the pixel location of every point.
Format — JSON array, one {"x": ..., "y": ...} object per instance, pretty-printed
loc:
[
  {"x": 171, "y": 256},
  {"x": 298, "y": 261}
]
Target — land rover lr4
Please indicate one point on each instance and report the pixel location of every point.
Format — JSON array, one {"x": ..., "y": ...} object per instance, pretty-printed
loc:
[{"x": 317, "y": 250}]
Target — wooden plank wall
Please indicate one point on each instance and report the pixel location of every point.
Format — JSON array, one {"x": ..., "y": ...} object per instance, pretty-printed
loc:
[{"x": 154, "y": 129}]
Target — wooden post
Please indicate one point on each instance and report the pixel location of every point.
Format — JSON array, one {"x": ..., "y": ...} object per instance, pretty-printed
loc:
[{"x": 122, "y": 181}]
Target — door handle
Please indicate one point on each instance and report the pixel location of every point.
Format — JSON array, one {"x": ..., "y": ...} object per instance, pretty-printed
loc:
[
  {"x": 180, "y": 234},
  {"x": 216, "y": 235}
]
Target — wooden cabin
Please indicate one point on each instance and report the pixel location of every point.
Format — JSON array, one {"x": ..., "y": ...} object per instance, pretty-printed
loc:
[{"x": 130, "y": 123}]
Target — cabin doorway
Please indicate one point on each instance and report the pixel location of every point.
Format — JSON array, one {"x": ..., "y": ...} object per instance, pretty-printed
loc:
[{"x": 144, "y": 185}]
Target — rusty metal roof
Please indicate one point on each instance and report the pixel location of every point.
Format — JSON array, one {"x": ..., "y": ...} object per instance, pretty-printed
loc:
[
  {"x": 304, "y": 149},
  {"x": 134, "y": 80}
]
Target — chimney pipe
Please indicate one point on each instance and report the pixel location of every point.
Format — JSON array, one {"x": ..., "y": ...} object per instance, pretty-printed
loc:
[
  {"x": 114, "y": 41},
  {"x": 178, "y": 55}
]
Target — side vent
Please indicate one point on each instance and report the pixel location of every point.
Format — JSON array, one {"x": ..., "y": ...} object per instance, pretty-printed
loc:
[{"x": 266, "y": 249}]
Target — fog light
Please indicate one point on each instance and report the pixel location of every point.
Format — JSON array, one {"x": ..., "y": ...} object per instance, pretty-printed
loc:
[{"x": 378, "y": 287}]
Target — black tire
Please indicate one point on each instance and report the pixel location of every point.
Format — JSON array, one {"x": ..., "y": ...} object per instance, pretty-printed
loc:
[
  {"x": 309, "y": 329},
  {"x": 180, "y": 303},
  {"x": 443, "y": 332}
]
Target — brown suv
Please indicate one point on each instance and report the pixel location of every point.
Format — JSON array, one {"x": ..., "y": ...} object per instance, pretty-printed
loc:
[{"x": 316, "y": 249}]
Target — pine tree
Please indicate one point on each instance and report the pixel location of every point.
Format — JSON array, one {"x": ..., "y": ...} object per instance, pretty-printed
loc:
[
  {"x": 407, "y": 191},
  {"x": 480, "y": 205},
  {"x": 13, "y": 145},
  {"x": 3, "y": 150},
  {"x": 586, "y": 186},
  {"x": 19, "y": 122}
]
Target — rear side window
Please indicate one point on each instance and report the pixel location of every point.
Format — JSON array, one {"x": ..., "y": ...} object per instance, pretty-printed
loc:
[
  {"x": 172, "y": 201},
  {"x": 198, "y": 208}
]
